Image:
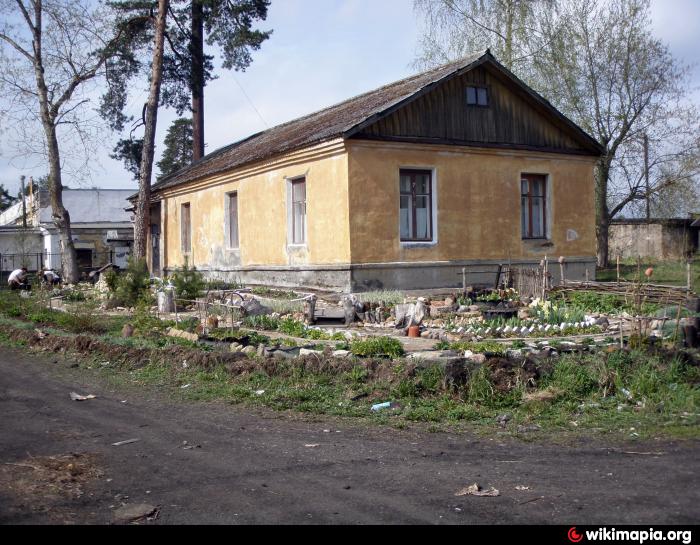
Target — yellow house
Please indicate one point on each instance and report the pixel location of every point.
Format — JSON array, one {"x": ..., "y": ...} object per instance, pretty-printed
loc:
[{"x": 398, "y": 188}]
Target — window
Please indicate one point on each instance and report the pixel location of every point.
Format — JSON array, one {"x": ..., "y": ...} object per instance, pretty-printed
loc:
[
  {"x": 232, "y": 220},
  {"x": 533, "y": 191},
  {"x": 416, "y": 207},
  {"x": 299, "y": 211},
  {"x": 185, "y": 229},
  {"x": 477, "y": 96}
]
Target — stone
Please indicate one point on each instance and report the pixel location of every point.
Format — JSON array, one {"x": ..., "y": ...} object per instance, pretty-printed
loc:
[
  {"x": 474, "y": 308},
  {"x": 249, "y": 350},
  {"x": 131, "y": 513},
  {"x": 282, "y": 355},
  {"x": 253, "y": 307},
  {"x": 172, "y": 332},
  {"x": 419, "y": 312},
  {"x": 309, "y": 352},
  {"x": 402, "y": 313},
  {"x": 235, "y": 347},
  {"x": 523, "y": 313},
  {"x": 477, "y": 358},
  {"x": 462, "y": 308},
  {"x": 342, "y": 353}
]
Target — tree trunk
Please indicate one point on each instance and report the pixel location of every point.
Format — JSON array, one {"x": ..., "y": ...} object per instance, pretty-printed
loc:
[
  {"x": 602, "y": 212},
  {"x": 143, "y": 203},
  {"x": 60, "y": 215},
  {"x": 508, "y": 49},
  {"x": 61, "y": 218},
  {"x": 197, "y": 81}
]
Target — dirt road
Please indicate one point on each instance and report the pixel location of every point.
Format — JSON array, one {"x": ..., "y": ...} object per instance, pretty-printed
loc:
[{"x": 204, "y": 463}]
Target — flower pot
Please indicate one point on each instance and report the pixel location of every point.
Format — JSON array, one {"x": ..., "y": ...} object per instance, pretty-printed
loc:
[{"x": 414, "y": 331}]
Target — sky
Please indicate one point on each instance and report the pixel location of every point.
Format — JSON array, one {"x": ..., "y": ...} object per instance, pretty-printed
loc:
[{"x": 322, "y": 52}]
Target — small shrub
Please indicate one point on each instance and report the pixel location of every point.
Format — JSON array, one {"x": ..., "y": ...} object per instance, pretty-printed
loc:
[
  {"x": 358, "y": 374},
  {"x": 377, "y": 346},
  {"x": 111, "y": 279},
  {"x": 145, "y": 323},
  {"x": 188, "y": 281},
  {"x": 74, "y": 296},
  {"x": 188, "y": 324},
  {"x": 80, "y": 318},
  {"x": 292, "y": 327},
  {"x": 133, "y": 284}
]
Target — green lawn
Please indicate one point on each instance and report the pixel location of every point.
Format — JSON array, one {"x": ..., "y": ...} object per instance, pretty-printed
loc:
[{"x": 665, "y": 272}]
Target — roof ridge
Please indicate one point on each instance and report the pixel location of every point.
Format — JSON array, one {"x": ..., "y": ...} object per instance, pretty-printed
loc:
[{"x": 467, "y": 59}]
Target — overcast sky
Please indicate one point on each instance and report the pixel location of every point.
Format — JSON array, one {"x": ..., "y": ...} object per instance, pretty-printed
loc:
[{"x": 322, "y": 52}]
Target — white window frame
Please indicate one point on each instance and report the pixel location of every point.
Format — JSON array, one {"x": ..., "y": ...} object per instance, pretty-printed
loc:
[
  {"x": 434, "y": 206},
  {"x": 290, "y": 211},
  {"x": 227, "y": 221}
]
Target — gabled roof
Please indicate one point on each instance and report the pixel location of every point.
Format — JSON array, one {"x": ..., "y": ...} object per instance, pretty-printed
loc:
[{"x": 347, "y": 118}]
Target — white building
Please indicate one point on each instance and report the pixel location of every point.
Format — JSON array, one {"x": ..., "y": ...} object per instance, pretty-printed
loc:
[{"x": 101, "y": 227}]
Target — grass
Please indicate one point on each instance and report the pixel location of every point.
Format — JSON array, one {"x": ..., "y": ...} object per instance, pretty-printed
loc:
[
  {"x": 291, "y": 327},
  {"x": 627, "y": 394},
  {"x": 673, "y": 273},
  {"x": 386, "y": 297},
  {"x": 664, "y": 395},
  {"x": 371, "y": 347}
]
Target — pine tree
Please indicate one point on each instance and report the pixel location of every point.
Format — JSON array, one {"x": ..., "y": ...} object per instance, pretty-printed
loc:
[{"x": 178, "y": 147}]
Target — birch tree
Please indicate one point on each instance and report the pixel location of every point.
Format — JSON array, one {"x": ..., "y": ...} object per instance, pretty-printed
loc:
[
  {"x": 457, "y": 28},
  {"x": 608, "y": 73},
  {"x": 597, "y": 62},
  {"x": 51, "y": 53}
]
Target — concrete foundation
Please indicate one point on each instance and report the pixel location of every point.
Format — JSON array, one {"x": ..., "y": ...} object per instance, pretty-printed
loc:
[{"x": 392, "y": 276}]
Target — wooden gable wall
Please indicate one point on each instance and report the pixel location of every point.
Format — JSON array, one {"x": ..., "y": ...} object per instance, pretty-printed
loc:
[{"x": 511, "y": 120}]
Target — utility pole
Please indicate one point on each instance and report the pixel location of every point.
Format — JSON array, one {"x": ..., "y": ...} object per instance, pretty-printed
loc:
[
  {"x": 646, "y": 173},
  {"x": 24, "y": 203}
]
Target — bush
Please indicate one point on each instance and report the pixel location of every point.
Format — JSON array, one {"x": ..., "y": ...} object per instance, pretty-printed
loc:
[
  {"x": 133, "y": 284},
  {"x": 145, "y": 323},
  {"x": 111, "y": 279},
  {"x": 188, "y": 281},
  {"x": 377, "y": 346},
  {"x": 292, "y": 327},
  {"x": 80, "y": 318}
]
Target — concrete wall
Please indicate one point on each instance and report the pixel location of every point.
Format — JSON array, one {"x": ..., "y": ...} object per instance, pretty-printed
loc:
[
  {"x": 658, "y": 240},
  {"x": 263, "y": 211}
]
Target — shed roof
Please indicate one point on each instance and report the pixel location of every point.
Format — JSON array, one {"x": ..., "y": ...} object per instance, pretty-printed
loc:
[{"x": 347, "y": 118}]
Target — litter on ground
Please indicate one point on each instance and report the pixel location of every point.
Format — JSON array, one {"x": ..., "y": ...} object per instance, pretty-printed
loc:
[
  {"x": 476, "y": 490},
  {"x": 77, "y": 397}
]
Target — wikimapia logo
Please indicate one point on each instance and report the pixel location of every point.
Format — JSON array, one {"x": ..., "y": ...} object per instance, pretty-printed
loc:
[{"x": 637, "y": 536}]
